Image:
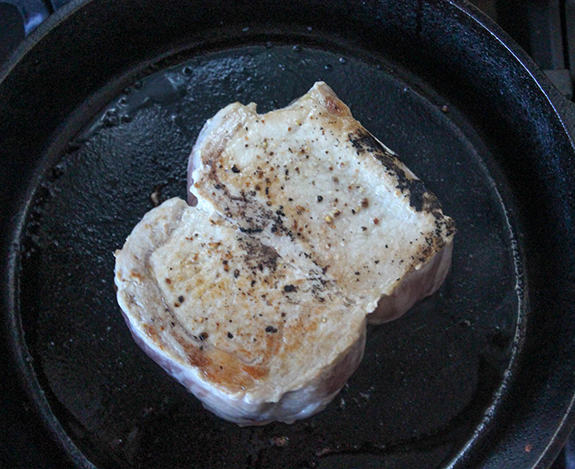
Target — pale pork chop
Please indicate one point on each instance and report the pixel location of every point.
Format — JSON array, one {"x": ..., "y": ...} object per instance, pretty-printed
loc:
[
  {"x": 306, "y": 227},
  {"x": 312, "y": 182}
]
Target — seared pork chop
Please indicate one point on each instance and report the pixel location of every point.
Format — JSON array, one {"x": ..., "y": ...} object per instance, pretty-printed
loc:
[
  {"x": 306, "y": 227},
  {"x": 253, "y": 337}
]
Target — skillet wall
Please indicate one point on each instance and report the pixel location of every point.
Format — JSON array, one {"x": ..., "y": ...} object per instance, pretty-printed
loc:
[{"x": 438, "y": 42}]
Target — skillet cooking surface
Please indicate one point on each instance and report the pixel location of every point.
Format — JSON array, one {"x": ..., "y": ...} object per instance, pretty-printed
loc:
[
  {"x": 441, "y": 362},
  {"x": 430, "y": 383}
]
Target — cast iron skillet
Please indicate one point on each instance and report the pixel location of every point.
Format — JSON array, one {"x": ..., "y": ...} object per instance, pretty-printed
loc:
[{"x": 99, "y": 109}]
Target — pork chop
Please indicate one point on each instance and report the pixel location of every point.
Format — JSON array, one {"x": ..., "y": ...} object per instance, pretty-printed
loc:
[
  {"x": 306, "y": 227},
  {"x": 311, "y": 181},
  {"x": 234, "y": 322}
]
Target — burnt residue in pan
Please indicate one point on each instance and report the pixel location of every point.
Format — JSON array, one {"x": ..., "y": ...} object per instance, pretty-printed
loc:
[{"x": 426, "y": 380}]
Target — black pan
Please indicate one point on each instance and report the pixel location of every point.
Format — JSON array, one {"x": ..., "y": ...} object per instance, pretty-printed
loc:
[{"x": 99, "y": 110}]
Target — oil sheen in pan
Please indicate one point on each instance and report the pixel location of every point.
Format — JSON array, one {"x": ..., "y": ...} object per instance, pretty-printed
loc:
[{"x": 427, "y": 380}]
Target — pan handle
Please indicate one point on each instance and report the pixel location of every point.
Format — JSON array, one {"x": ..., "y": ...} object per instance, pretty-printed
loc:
[{"x": 33, "y": 12}]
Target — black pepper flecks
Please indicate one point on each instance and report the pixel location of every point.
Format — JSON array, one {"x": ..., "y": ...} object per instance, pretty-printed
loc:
[
  {"x": 181, "y": 299},
  {"x": 419, "y": 198},
  {"x": 230, "y": 335},
  {"x": 271, "y": 329},
  {"x": 250, "y": 230},
  {"x": 235, "y": 169},
  {"x": 290, "y": 288},
  {"x": 319, "y": 198}
]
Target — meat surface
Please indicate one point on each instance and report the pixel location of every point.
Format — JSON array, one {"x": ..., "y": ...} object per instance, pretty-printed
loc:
[
  {"x": 312, "y": 182},
  {"x": 232, "y": 321},
  {"x": 306, "y": 227}
]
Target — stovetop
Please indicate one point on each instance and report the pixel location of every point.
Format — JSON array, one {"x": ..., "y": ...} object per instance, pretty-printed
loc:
[{"x": 544, "y": 28}]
